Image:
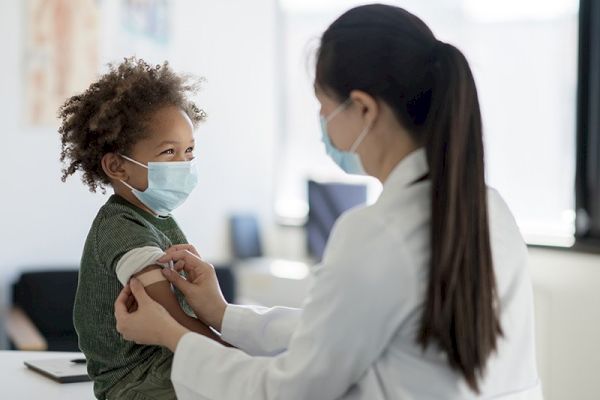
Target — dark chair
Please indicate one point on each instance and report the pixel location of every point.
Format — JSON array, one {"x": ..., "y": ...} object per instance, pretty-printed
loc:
[
  {"x": 326, "y": 202},
  {"x": 41, "y": 317},
  {"x": 226, "y": 280},
  {"x": 245, "y": 236}
]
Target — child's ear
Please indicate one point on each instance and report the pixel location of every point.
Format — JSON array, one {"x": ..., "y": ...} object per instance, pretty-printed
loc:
[{"x": 112, "y": 165}]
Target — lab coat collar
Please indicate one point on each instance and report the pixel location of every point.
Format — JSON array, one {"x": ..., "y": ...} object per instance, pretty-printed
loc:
[{"x": 409, "y": 170}]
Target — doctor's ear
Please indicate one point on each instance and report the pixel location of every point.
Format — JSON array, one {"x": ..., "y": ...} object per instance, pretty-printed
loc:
[
  {"x": 112, "y": 165},
  {"x": 367, "y": 105}
]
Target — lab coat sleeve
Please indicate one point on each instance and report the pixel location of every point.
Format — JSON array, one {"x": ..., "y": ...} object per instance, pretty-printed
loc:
[
  {"x": 259, "y": 331},
  {"x": 353, "y": 310}
]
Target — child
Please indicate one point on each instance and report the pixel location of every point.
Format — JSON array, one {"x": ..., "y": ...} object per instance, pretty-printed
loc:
[{"x": 132, "y": 130}]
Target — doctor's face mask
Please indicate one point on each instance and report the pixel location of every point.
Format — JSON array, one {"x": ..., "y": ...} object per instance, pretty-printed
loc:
[{"x": 349, "y": 161}]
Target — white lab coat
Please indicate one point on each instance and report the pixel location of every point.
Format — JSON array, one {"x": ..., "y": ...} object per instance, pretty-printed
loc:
[{"x": 355, "y": 335}]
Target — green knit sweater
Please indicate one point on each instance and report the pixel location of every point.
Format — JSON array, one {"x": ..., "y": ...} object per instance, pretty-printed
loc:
[{"x": 118, "y": 228}]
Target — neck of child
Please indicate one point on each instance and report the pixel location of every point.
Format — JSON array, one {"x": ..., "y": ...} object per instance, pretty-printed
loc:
[{"x": 127, "y": 195}]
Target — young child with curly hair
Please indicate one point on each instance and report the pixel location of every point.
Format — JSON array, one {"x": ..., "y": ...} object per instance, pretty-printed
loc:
[{"x": 131, "y": 130}]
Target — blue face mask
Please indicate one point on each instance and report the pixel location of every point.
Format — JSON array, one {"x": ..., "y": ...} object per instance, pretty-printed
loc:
[
  {"x": 348, "y": 161},
  {"x": 169, "y": 184}
]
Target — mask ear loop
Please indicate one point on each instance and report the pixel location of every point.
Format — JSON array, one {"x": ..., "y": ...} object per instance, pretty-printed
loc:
[
  {"x": 338, "y": 110},
  {"x": 135, "y": 162},
  {"x": 359, "y": 139},
  {"x": 127, "y": 184}
]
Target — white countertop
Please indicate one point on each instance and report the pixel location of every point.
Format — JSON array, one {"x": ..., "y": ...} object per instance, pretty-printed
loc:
[{"x": 17, "y": 382}]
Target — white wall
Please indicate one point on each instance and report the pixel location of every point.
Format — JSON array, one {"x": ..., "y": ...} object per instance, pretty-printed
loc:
[
  {"x": 567, "y": 300},
  {"x": 230, "y": 43},
  {"x": 46, "y": 221}
]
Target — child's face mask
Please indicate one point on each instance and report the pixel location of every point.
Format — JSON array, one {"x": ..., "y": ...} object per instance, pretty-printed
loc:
[{"x": 169, "y": 184}]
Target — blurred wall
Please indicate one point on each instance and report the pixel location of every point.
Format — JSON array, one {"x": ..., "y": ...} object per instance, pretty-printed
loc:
[
  {"x": 567, "y": 311},
  {"x": 230, "y": 43}
]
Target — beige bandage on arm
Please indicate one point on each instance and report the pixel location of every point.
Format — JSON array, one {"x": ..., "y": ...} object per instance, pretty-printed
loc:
[{"x": 150, "y": 277}]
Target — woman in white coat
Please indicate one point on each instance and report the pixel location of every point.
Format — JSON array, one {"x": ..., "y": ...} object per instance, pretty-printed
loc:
[{"x": 423, "y": 295}]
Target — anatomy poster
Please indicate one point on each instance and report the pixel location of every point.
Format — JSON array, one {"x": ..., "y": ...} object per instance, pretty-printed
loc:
[{"x": 61, "y": 55}]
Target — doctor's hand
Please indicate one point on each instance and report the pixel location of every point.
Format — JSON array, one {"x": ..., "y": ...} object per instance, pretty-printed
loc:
[
  {"x": 201, "y": 289},
  {"x": 150, "y": 323}
]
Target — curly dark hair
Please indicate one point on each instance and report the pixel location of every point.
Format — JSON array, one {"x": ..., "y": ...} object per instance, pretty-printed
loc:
[{"x": 110, "y": 115}]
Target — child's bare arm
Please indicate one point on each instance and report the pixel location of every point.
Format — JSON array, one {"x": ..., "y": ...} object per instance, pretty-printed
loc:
[{"x": 162, "y": 293}]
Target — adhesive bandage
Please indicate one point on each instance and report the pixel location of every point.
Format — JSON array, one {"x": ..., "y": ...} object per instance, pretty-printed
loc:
[{"x": 150, "y": 277}]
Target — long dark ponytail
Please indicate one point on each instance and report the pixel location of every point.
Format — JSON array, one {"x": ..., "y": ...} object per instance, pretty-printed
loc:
[{"x": 392, "y": 55}]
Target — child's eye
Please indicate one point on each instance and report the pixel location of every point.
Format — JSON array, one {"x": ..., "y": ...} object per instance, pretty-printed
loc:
[
  {"x": 168, "y": 151},
  {"x": 189, "y": 150}
]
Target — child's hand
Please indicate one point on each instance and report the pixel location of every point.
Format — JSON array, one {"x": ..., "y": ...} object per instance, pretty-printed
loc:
[
  {"x": 150, "y": 323},
  {"x": 201, "y": 289}
]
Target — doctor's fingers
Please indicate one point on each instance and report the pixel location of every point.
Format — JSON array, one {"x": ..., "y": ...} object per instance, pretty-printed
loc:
[
  {"x": 184, "y": 246},
  {"x": 131, "y": 304},
  {"x": 121, "y": 302},
  {"x": 191, "y": 270},
  {"x": 182, "y": 258},
  {"x": 176, "y": 255},
  {"x": 185, "y": 286},
  {"x": 138, "y": 291},
  {"x": 179, "y": 265},
  {"x": 197, "y": 269}
]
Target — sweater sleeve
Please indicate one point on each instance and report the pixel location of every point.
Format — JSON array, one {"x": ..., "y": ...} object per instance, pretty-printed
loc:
[
  {"x": 136, "y": 260},
  {"x": 119, "y": 234}
]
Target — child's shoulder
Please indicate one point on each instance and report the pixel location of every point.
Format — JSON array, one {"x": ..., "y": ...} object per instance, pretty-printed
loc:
[
  {"x": 115, "y": 216},
  {"x": 119, "y": 228}
]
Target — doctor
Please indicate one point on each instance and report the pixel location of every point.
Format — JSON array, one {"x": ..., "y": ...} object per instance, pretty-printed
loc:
[{"x": 423, "y": 295}]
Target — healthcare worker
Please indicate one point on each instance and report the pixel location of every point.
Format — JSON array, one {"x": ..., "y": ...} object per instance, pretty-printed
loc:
[{"x": 423, "y": 295}]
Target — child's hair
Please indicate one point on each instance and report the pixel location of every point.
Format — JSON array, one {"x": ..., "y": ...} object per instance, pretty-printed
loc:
[{"x": 111, "y": 115}]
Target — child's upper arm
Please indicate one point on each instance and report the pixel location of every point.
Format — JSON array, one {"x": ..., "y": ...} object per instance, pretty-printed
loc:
[
  {"x": 141, "y": 264},
  {"x": 159, "y": 289}
]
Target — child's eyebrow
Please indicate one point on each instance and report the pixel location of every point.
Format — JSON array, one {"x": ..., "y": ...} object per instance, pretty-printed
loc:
[
  {"x": 167, "y": 142},
  {"x": 193, "y": 141}
]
